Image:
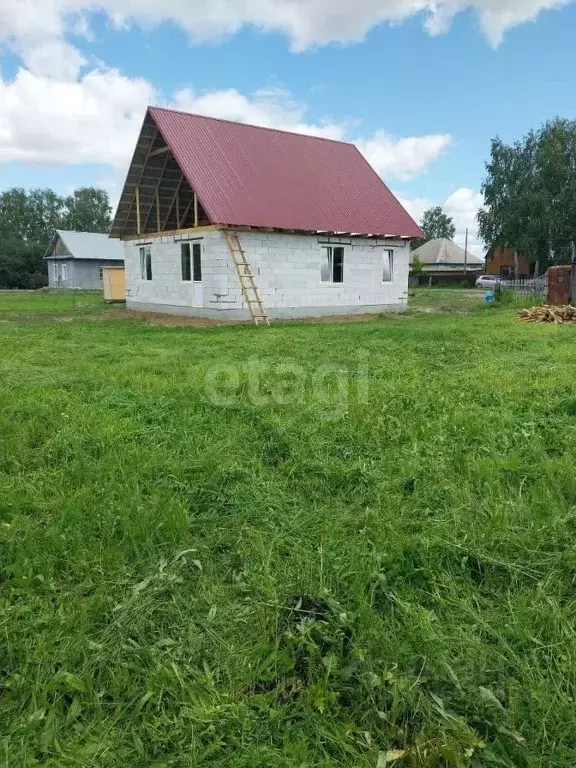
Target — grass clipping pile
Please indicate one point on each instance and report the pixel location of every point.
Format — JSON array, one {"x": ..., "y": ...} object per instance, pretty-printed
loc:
[{"x": 548, "y": 314}]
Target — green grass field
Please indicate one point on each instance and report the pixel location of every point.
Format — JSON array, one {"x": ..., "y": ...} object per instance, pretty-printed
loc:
[{"x": 315, "y": 545}]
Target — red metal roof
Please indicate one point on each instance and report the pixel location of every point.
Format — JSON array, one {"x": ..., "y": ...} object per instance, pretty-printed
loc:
[{"x": 250, "y": 176}]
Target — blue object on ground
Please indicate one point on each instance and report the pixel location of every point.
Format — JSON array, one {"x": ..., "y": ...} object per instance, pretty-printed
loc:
[{"x": 489, "y": 297}]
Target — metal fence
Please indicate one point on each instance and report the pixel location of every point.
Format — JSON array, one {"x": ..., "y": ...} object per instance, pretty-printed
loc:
[{"x": 534, "y": 288}]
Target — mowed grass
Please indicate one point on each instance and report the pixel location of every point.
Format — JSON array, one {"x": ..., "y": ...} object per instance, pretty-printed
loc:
[
  {"x": 49, "y": 301},
  {"x": 451, "y": 299},
  {"x": 285, "y": 571}
]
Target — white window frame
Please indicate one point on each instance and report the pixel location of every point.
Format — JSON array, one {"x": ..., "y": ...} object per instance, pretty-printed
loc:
[
  {"x": 64, "y": 268},
  {"x": 328, "y": 255},
  {"x": 194, "y": 248},
  {"x": 388, "y": 262},
  {"x": 145, "y": 252}
]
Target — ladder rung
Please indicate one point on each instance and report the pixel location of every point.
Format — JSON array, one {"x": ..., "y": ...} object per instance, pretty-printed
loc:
[{"x": 247, "y": 281}]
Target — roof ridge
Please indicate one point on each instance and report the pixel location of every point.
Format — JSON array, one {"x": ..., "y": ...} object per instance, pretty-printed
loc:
[{"x": 252, "y": 125}]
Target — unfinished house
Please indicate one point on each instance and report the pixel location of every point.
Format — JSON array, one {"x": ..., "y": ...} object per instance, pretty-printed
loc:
[
  {"x": 231, "y": 221},
  {"x": 77, "y": 259}
]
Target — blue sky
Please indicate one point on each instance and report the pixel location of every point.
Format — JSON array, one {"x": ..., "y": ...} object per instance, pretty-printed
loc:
[{"x": 420, "y": 93}]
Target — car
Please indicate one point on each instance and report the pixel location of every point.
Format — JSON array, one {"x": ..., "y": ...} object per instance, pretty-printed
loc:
[{"x": 488, "y": 281}]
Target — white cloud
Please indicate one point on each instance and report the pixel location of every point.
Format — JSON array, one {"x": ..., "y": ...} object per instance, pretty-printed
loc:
[
  {"x": 309, "y": 23},
  {"x": 52, "y": 58},
  {"x": 403, "y": 158},
  {"x": 415, "y": 206},
  {"x": 97, "y": 118},
  {"x": 462, "y": 206},
  {"x": 272, "y": 108}
]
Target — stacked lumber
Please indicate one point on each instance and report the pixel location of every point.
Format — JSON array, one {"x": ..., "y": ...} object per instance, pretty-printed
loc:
[{"x": 548, "y": 314}]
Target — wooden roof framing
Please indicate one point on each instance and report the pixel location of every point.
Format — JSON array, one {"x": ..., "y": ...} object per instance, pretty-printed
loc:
[{"x": 157, "y": 197}]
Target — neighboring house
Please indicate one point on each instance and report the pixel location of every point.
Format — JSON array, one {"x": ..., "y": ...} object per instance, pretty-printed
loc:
[
  {"x": 232, "y": 221},
  {"x": 501, "y": 261},
  {"x": 76, "y": 259},
  {"x": 442, "y": 256}
]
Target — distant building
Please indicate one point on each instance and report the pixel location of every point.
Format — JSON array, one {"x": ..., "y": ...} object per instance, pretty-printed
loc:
[
  {"x": 442, "y": 258},
  {"x": 76, "y": 259},
  {"x": 233, "y": 221},
  {"x": 501, "y": 261}
]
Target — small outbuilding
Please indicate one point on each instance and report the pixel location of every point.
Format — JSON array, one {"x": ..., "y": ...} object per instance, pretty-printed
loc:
[
  {"x": 232, "y": 221},
  {"x": 77, "y": 259}
]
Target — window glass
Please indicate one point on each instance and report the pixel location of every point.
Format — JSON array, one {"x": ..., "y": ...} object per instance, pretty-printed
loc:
[
  {"x": 146, "y": 263},
  {"x": 326, "y": 268},
  {"x": 338, "y": 265},
  {"x": 186, "y": 266},
  {"x": 332, "y": 268},
  {"x": 387, "y": 266},
  {"x": 197, "y": 250}
]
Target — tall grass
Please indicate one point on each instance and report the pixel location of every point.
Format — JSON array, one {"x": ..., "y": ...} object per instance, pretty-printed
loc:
[{"x": 184, "y": 584}]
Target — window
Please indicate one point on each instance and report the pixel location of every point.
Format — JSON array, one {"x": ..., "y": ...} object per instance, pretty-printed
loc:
[
  {"x": 388, "y": 266},
  {"x": 146, "y": 263},
  {"x": 197, "y": 249},
  {"x": 191, "y": 258},
  {"x": 64, "y": 273},
  {"x": 332, "y": 270},
  {"x": 101, "y": 274},
  {"x": 186, "y": 266}
]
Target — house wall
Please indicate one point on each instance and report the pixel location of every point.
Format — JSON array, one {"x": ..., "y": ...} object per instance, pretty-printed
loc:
[
  {"x": 287, "y": 269},
  {"x": 60, "y": 249},
  {"x": 504, "y": 258},
  {"x": 81, "y": 273}
]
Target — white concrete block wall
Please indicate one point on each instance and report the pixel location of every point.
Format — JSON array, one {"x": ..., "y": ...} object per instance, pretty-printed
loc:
[{"x": 288, "y": 274}]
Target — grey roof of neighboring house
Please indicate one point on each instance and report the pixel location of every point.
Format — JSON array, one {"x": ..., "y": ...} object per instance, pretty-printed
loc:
[
  {"x": 443, "y": 251},
  {"x": 88, "y": 245}
]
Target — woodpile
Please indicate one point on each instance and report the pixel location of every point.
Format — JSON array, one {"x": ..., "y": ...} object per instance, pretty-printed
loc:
[{"x": 548, "y": 314}]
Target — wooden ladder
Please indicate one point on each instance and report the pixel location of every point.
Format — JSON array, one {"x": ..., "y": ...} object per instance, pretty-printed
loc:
[{"x": 247, "y": 282}]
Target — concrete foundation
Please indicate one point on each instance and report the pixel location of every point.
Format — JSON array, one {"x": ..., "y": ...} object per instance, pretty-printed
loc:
[{"x": 276, "y": 313}]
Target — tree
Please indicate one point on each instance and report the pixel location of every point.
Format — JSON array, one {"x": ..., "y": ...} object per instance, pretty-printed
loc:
[
  {"x": 88, "y": 210},
  {"x": 14, "y": 213},
  {"x": 21, "y": 264},
  {"x": 530, "y": 194},
  {"x": 436, "y": 224},
  {"x": 28, "y": 220},
  {"x": 45, "y": 210},
  {"x": 416, "y": 266}
]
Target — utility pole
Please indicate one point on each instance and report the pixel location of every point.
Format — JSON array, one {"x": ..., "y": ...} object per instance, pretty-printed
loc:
[{"x": 466, "y": 253}]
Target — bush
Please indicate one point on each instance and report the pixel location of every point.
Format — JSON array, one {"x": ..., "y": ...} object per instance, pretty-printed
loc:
[{"x": 22, "y": 265}]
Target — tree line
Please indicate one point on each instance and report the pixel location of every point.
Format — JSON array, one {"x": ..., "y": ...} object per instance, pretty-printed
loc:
[
  {"x": 529, "y": 198},
  {"x": 28, "y": 219},
  {"x": 530, "y": 195}
]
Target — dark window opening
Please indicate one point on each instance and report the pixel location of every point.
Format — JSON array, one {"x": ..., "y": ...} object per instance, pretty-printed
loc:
[
  {"x": 197, "y": 253},
  {"x": 186, "y": 265}
]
